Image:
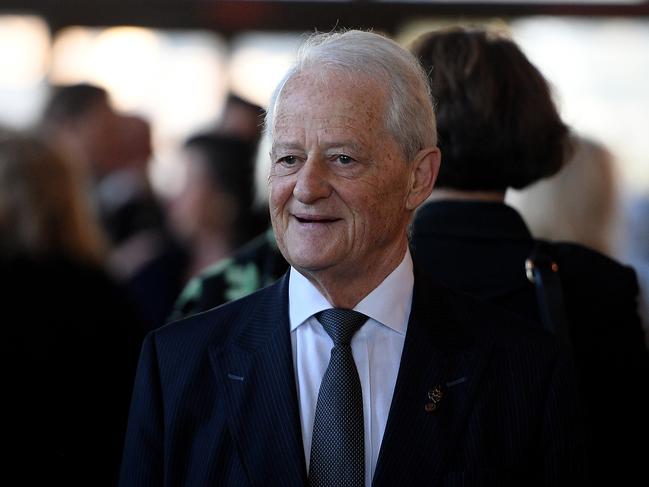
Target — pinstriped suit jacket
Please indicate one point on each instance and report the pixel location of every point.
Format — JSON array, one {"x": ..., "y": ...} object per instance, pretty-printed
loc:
[{"x": 215, "y": 400}]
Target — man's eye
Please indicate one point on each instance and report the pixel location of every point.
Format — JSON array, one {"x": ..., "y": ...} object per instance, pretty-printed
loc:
[
  {"x": 287, "y": 160},
  {"x": 344, "y": 159}
]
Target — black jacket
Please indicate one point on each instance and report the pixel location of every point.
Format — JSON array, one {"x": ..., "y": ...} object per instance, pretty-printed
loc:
[
  {"x": 480, "y": 248},
  {"x": 69, "y": 349}
]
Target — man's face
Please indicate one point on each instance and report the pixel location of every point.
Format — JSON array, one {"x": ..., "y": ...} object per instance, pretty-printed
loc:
[{"x": 338, "y": 180}]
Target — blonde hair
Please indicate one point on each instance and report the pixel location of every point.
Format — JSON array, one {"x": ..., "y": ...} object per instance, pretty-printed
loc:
[{"x": 44, "y": 208}]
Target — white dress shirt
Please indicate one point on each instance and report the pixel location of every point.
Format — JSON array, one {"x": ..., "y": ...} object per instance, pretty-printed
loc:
[{"x": 376, "y": 348}]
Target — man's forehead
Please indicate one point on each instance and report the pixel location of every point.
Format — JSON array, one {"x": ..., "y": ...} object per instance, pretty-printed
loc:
[
  {"x": 325, "y": 121},
  {"x": 340, "y": 104},
  {"x": 350, "y": 88},
  {"x": 321, "y": 78}
]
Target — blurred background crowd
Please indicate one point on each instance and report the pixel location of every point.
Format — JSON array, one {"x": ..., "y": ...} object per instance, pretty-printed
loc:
[{"x": 132, "y": 159}]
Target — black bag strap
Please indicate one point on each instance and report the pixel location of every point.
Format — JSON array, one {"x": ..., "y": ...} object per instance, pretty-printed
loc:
[{"x": 543, "y": 272}]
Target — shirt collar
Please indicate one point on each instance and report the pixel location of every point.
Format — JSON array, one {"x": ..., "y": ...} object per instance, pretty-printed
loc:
[{"x": 389, "y": 303}]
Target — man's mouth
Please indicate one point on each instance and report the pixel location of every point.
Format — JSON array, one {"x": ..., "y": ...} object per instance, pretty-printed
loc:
[{"x": 315, "y": 219}]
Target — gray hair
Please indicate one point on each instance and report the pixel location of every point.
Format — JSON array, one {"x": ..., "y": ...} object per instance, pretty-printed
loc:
[{"x": 410, "y": 117}]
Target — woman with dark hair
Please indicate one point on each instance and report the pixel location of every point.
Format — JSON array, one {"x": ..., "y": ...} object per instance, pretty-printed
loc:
[
  {"x": 499, "y": 129},
  {"x": 497, "y": 123}
]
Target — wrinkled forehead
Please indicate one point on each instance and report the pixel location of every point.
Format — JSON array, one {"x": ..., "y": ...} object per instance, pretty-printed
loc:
[{"x": 321, "y": 97}]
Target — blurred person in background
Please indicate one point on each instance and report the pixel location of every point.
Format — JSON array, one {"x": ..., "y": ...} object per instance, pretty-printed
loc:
[
  {"x": 71, "y": 336},
  {"x": 126, "y": 199},
  {"x": 499, "y": 129},
  {"x": 212, "y": 214},
  {"x": 79, "y": 121},
  {"x": 144, "y": 254},
  {"x": 258, "y": 262},
  {"x": 115, "y": 150},
  {"x": 241, "y": 118},
  {"x": 581, "y": 204},
  {"x": 577, "y": 204}
]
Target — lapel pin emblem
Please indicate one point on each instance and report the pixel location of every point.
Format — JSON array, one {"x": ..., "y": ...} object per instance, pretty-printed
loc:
[{"x": 435, "y": 395}]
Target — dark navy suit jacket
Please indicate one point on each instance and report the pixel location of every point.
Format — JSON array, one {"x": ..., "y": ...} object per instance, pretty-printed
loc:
[{"x": 215, "y": 400}]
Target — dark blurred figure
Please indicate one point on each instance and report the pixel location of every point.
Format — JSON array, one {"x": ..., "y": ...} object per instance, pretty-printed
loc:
[
  {"x": 144, "y": 254},
  {"x": 499, "y": 128},
  {"x": 258, "y": 262},
  {"x": 212, "y": 215},
  {"x": 80, "y": 121},
  {"x": 241, "y": 118},
  {"x": 126, "y": 200},
  {"x": 71, "y": 336},
  {"x": 244, "y": 120},
  {"x": 114, "y": 149}
]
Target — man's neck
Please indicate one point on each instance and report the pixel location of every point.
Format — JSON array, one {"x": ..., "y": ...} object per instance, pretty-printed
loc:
[
  {"x": 346, "y": 289},
  {"x": 465, "y": 195}
]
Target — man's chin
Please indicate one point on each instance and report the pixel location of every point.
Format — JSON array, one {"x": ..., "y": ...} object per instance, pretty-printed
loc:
[{"x": 310, "y": 264}]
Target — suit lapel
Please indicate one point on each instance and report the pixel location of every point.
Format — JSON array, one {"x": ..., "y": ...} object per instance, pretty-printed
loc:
[
  {"x": 257, "y": 375},
  {"x": 422, "y": 427}
]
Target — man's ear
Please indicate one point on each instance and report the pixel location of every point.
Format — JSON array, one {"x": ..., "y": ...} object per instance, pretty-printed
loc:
[{"x": 424, "y": 170}]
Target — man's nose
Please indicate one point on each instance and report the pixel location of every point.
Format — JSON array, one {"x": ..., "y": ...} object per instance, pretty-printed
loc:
[{"x": 313, "y": 181}]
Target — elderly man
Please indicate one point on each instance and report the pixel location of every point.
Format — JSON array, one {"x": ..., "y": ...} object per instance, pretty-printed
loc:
[{"x": 351, "y": 370}]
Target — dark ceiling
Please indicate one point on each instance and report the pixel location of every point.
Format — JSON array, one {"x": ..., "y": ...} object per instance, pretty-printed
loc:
[{"x": 229, "y": 17}]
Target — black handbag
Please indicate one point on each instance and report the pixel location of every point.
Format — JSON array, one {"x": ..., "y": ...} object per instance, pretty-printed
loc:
[{"x": 542, "y": 271}]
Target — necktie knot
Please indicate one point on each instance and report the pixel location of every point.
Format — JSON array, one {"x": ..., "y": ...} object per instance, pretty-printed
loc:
[{"x": 341, "y": 324}]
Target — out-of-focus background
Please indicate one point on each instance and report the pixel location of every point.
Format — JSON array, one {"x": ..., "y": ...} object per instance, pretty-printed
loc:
[{"x": 174, "y": 62}]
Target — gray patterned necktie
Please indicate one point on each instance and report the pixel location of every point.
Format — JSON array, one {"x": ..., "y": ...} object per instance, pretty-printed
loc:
[{"x": 338, "y": 446}]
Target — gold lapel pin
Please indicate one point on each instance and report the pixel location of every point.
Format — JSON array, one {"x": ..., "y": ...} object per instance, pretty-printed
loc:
[{"x": 435, "y": 395}]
